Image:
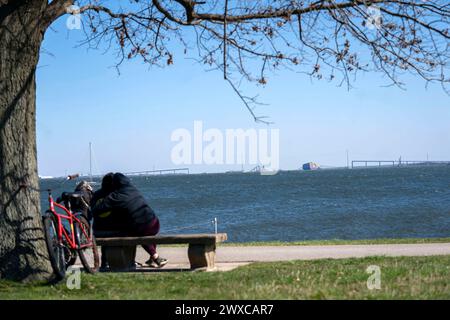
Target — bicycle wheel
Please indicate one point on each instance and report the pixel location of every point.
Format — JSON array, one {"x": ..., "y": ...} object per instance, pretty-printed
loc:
[
  {"x": 55, "y": 249},
  {"x": 88, "y": 255}
]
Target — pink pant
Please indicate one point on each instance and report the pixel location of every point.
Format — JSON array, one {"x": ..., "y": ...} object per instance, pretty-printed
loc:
[{"x": 150, "y": 229}]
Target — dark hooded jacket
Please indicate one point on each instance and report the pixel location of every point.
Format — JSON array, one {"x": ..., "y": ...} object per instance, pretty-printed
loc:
[
  {"x": 127, "y": 203},
  {"x": 109, "y": 221}
]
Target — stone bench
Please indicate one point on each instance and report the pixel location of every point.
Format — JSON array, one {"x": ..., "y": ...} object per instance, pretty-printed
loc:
[{"x": 119, "y": 251}]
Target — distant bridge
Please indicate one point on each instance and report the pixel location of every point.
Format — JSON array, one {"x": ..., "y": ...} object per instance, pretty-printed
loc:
[
  {"x": 159, "y": 171},
  {"x": 394, "y": 163}
]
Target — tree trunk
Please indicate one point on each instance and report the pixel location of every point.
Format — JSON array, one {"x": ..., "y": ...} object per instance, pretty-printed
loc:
[{"x": 23, "y": 252}]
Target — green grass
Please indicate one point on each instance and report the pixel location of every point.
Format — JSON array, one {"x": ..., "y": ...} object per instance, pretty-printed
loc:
[
  {"x": 401, "y": 278},
  {"x": 339, "y": 242}
]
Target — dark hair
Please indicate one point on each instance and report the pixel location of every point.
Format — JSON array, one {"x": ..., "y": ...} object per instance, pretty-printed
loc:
[
  {"x": 107, "y": 182},
  {"x": 120, "y": 180}
]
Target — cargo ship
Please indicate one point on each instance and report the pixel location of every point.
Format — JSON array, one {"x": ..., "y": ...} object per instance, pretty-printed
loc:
[{"x": 310, "y": 166}]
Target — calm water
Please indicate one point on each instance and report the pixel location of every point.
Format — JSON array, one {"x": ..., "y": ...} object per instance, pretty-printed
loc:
[{"x": 298, "y": 205}]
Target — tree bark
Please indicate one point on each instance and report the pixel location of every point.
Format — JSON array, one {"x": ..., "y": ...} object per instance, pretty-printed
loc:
[{"x": 23, "y": 252}]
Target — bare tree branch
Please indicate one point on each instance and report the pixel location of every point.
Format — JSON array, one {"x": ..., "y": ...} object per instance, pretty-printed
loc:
[{"x": 324, "y": 39}]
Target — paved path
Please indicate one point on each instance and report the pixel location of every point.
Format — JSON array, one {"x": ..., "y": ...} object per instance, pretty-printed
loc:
[{"x": 229, "y": 257}]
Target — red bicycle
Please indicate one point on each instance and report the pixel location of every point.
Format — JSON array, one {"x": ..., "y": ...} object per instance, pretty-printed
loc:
[{"x": 67, "y": 235}]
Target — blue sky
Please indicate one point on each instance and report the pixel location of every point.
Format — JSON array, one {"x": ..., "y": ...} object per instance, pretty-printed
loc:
[{"x": 129, "y": 117}]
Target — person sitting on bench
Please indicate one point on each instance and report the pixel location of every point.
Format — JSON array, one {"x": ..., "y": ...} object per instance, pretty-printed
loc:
[
  {"x": 79, "y": 200},
  {"x": 108, "y": 223},
  {"x": 138, "y": 217}
]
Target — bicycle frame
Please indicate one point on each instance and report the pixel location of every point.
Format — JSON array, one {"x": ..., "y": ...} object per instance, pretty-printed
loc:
[{"x": 69, "y": 236}]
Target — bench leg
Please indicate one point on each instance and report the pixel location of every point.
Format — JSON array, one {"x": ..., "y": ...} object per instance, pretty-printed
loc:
[
  {"x": 202, "y": 256},
  {"x": 120, "y": 258}
]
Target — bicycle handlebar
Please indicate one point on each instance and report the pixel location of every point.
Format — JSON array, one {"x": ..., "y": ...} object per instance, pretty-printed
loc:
[{"x": 69, "y": 177}]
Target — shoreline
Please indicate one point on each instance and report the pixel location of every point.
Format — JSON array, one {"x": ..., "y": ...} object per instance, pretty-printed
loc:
[{"x": 238, "y": 172}]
